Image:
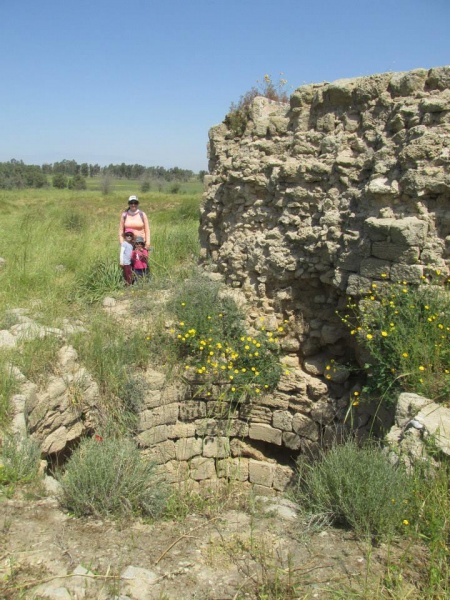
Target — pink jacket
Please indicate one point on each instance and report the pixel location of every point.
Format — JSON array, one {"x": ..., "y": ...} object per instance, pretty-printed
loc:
[{"x": 136, "y": 222}]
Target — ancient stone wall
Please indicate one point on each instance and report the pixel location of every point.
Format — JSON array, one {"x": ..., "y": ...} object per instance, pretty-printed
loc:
[{"x": 347, "y": 185}]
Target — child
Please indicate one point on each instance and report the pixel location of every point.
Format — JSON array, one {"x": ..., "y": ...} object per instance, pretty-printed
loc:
[
  {"x": 126, "y": 250},
  {"x": 139, "y": 257}
]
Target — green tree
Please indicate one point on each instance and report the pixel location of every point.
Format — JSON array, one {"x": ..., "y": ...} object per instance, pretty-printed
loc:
[{"x": 59, "y": 181}]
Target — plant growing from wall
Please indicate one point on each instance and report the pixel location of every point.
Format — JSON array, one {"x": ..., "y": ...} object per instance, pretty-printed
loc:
[
  {"x": 217, "y": 351},
  {"x": 239, "y": 112},
  {"x": 405, "y": 329}
]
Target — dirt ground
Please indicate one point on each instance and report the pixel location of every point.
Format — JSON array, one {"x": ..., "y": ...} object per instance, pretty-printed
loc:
[{"x": 241, "y": 549}]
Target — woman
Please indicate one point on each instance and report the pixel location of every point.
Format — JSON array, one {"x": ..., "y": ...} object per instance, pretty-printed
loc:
[{"x": 136, "y": 220}]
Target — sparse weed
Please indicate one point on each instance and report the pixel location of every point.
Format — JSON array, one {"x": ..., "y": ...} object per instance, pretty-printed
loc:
[
  {"x": 109, "y": 477},
  {"x": 37, "y": 357},
  {"x": 19, "y": 460},
  {"x": 8, "y": 385}
]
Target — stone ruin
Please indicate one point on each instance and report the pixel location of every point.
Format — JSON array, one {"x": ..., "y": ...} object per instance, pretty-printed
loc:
[{"x": 307, "y": 204}]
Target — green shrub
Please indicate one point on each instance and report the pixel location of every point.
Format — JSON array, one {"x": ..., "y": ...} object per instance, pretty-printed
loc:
[
  {"x": 406, "y": 331},
  {"x": 109, "y": 478},
  {"x": 77, "y": 182},
  {"x": 20, "y": 459},
  {"x": 357, "y": 487},
  {"x": 59, "y": 181}
]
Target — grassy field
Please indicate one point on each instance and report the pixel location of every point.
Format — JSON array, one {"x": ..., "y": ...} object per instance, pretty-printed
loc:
[{"x": 52, "y": 239}]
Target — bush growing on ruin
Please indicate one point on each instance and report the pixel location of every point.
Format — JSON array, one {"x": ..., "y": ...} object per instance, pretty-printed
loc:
[
  {"x": 356, "y": 487},
  {"x": 216, "y": 349},
  {"x": 238, "y": 114},
  {"x": 405, "y": 329}
]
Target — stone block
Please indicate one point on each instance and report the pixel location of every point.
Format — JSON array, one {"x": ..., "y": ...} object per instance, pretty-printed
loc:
[
  {"x": 391, "y": 252},
  {"x": 235, "y": 469},
  {"x": 153, "y": 399},
  {"x": 154, "y": 379},
  {"x": 186, "y": 448},
  {"x": 202, "y": 468},
  {"x": 323, "y": 412},
  {"x": 232, "y": 428},
  {"x": 153, "y": 436},
  {"x": 260, "y": 472},
  {"x": 291, "y": 440},
  {"x": 374, "y": 268},
  {"x": 192, "y": 409},
  {"x": 265, "y": 433},
  {"x": 170, "y": 394},
  {"x": 175, "y": 471},
  {"x": 262, "y": 490},
  {"x": 206, "y": 427},
  {"x": 282, "y": 419},
  {"x": 239, "y": 448},
  {"x": 162, "y": 415},
  {"x": 408, "y": 273},
  {"x": 304, "y": 426},
  {"x": 282, "y": 477},
  {"x": 409, "y": 231},
  {"x": 181, "y": 430},
  {"x": 277, "y": 400},
  {"x": 216, "y": 447},
  {"x": 259, "y": 414},
  {"x": 161, "y": 453}
]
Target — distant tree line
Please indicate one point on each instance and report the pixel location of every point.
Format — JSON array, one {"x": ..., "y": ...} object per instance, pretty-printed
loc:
[{"x": 69, "y": 173}]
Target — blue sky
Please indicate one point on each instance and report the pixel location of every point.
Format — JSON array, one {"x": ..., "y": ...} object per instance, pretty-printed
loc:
[{"x": 142, "y": 81}]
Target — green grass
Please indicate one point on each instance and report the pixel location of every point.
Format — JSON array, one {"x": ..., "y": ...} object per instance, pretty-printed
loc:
[{"x": 51, "y": 239}]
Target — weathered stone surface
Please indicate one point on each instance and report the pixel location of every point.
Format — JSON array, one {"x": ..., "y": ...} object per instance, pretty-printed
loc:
[
  {"x": 233, "y": 468},
  {"x": 282, "y": 419},
  {"x": 162, "y": 415},
  {"x": 305, "y": 427},
  {"x": 216, "y": 447},
  {"x": 154, "y": 435},
  {"x": 202, "y": 468},
  {"x": 266, "y": 433},
  {"x": 186, "y": 448},
  {"x": 260, "y": 473},
  {"x": 161, "y": 453},
  {"x": 191, "y": 410}
]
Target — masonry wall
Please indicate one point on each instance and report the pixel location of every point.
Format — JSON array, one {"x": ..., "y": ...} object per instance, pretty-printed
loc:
[{"x": 346, "y": 186}]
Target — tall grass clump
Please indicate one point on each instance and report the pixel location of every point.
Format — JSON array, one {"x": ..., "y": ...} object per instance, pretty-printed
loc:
[
  {"x": 216, "y": 350},
  {"x": 101, "y": 278},
  {"x": 20, "y": 458},
  {"x": 405, "y": 329},
  {"x": 115, "y": 356},
  {"x": 356, "y": 487},
  {"x": 37, "y": 357},
  {"x": 8, "y": 386},
  {"x": 432, "y": 523},
  {"x": 109, "y": 478}
]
